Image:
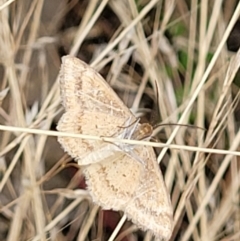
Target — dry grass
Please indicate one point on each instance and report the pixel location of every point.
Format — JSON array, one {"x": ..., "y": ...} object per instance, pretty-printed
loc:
[{"x": 167, "y": 51}]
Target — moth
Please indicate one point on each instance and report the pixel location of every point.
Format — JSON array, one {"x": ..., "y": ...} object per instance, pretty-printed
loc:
[{"x": 120, "y": 177}]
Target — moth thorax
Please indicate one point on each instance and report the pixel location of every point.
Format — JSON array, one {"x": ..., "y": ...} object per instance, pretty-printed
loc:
[{"x": 144, "y": 131}]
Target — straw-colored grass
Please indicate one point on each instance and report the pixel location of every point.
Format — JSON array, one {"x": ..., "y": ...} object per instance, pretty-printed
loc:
[{"x": 172, "y": 53}]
